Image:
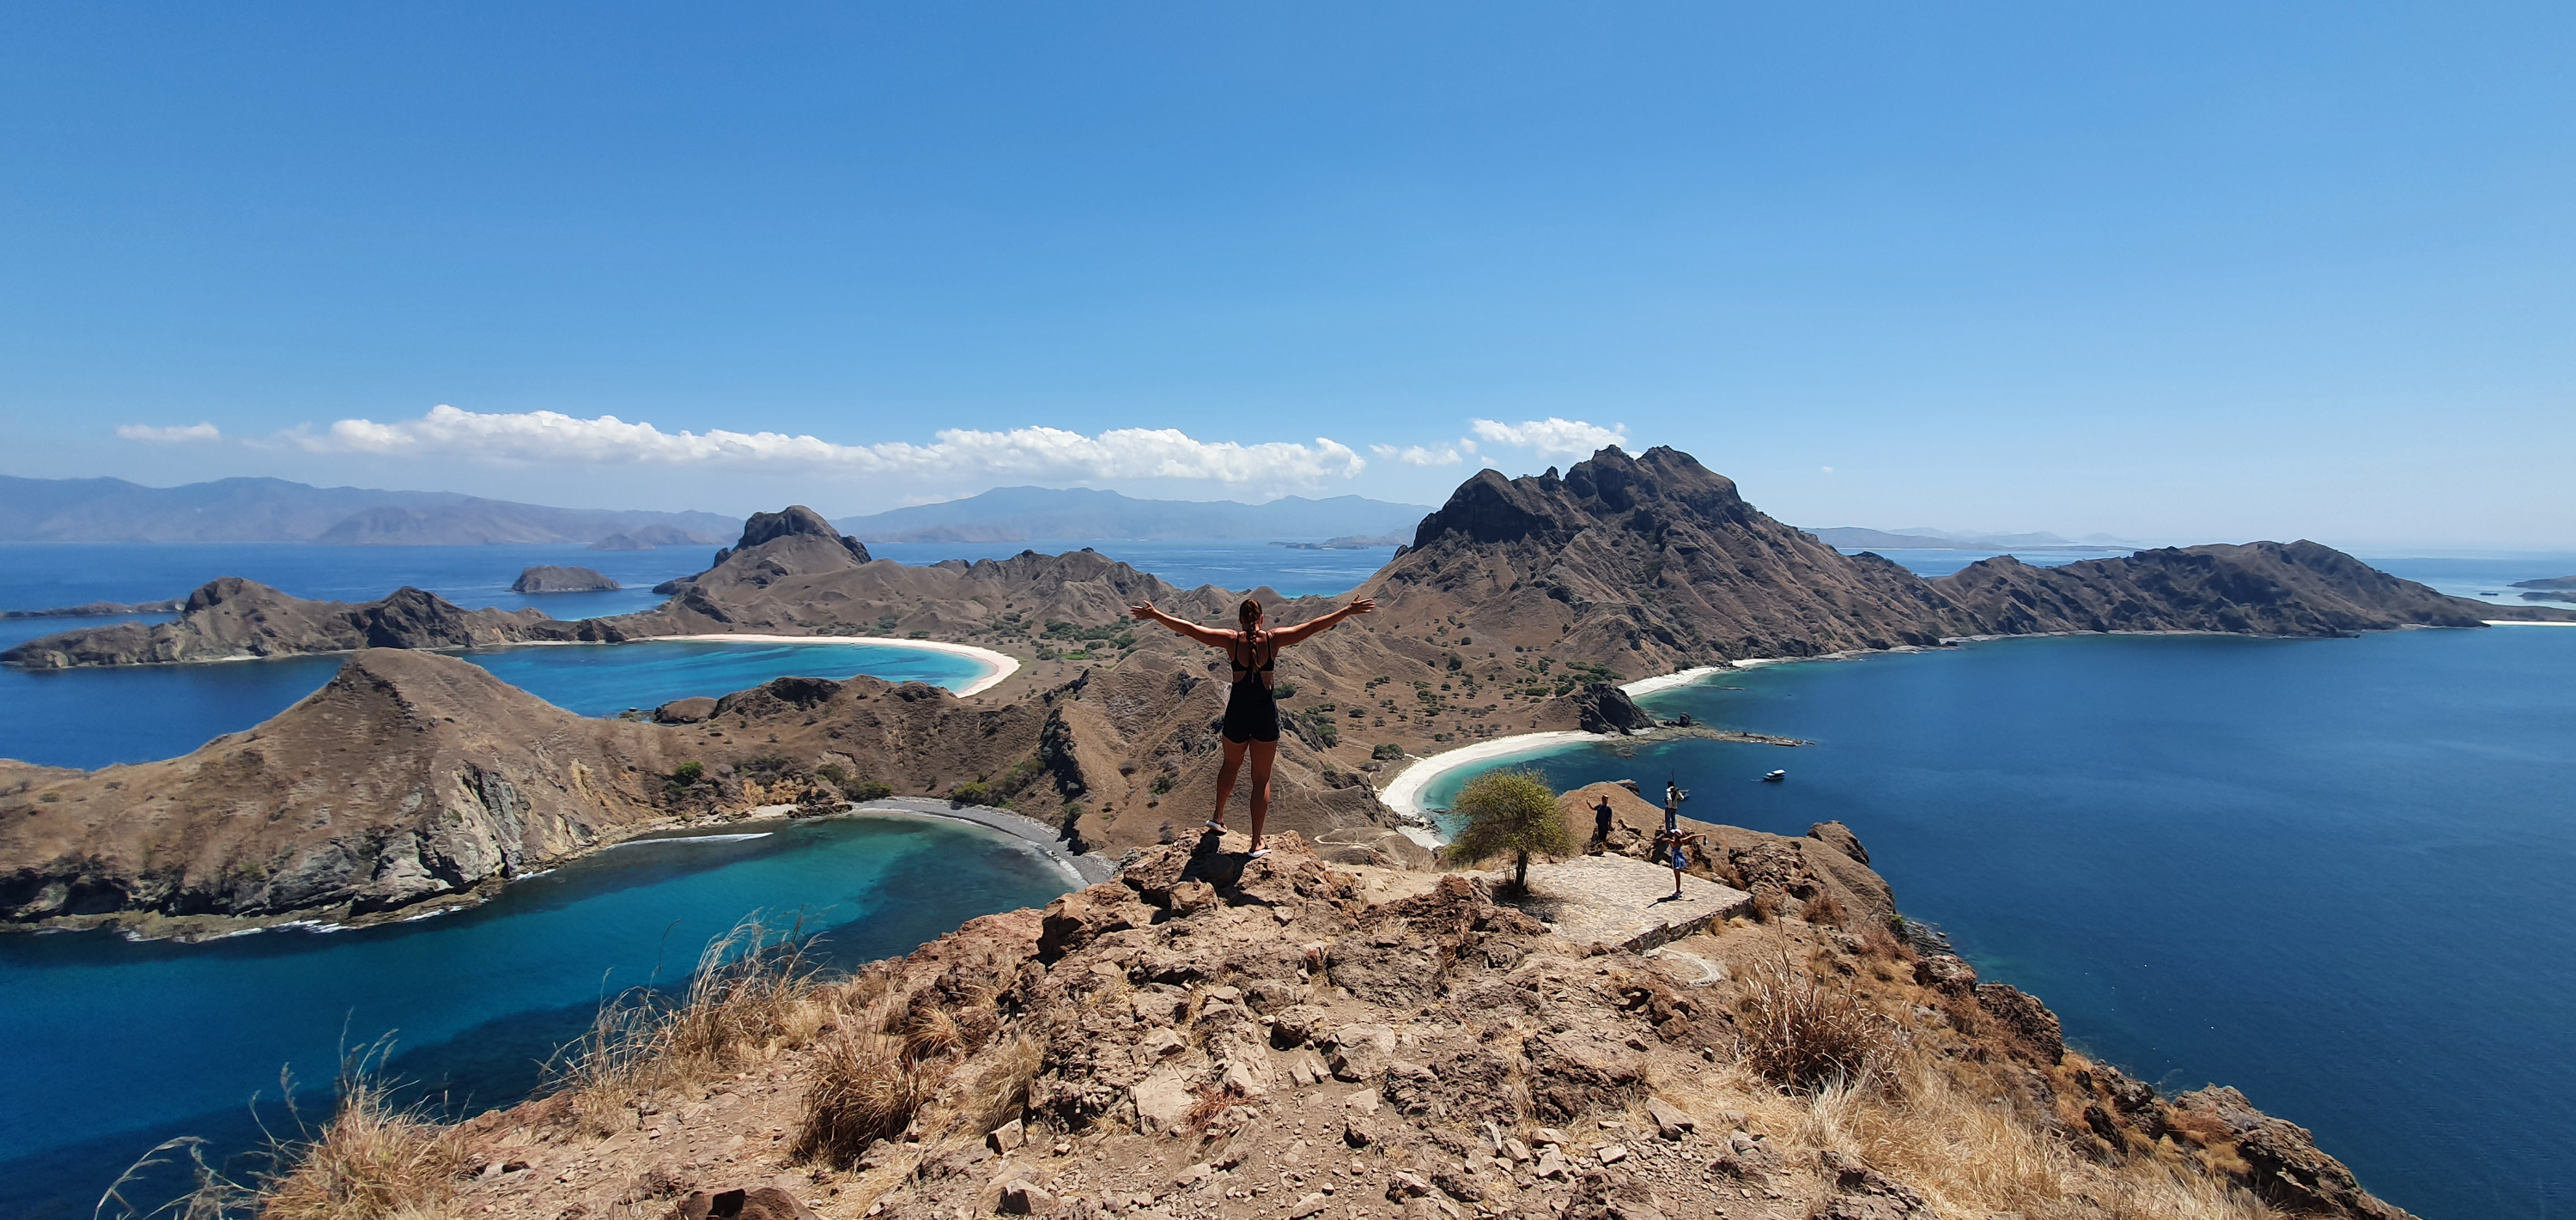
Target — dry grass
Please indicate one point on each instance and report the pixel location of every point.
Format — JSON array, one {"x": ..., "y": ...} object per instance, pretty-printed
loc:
[
  {"x": 1804, "y": 1033},
  {"x": 1935, "y": 1133},
  {"x": 1822, "y": 910},
  {"x": 865, "y": 1088},
  {"x": 753, "y": 993},
  {"x": 374, "y": 1159}
]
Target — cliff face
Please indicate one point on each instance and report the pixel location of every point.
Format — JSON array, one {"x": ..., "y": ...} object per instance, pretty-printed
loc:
[{"x": 230, "y": 618}]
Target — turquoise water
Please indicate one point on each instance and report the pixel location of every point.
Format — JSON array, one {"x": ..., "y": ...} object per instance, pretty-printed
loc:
[
  {"x": 605, "y": 679},
  {"x": 2333, "y": 873},
  {"x": 127, "y": 1044},
  {"x": 93, "y": 717}
]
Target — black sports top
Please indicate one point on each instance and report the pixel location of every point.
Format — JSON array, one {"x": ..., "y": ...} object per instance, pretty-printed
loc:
[{"x": 1243, "y": 668}]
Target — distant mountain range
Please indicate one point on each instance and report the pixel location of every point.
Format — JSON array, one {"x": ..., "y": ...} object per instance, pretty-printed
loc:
[
  {"x": 1025, "y": 514},
  {"x": 275, "y": 510},
  {"x": 1929, "y": 539}
]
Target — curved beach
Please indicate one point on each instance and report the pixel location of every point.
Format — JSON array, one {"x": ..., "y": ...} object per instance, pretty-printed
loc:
[
  {"x": 1404, "y": 792},
  {"x": 999, "y": 665}
]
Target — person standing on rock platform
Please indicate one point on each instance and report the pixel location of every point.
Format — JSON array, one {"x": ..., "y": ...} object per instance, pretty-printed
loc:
[
  {"x": 1601, "y": 825},
  {"x": 1669, "y": 842},
  {"x": 1251, "y": 711}
]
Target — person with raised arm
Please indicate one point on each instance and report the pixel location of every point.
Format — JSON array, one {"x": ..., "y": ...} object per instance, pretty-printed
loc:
[{"x": 1251, "y": 724}]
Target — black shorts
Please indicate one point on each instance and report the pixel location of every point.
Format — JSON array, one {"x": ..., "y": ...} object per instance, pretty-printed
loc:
[{"x": 1251, "y": 713}]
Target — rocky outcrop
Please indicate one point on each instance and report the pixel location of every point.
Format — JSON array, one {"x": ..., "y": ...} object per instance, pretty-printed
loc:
[
  {"x": 1603, "y": 708},
  {"x": 1222, "y": 1038},
  {"x": 552, "y": 578},
  {"x": 230, "y": 618},
  {"x": 2553, "y": 582}
]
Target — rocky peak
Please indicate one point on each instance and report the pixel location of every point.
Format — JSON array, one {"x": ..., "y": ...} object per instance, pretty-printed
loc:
[
  {"x": 224, "y": 589},
  {"x": 810, "y": 538},
  {"x": 794, "y": 519}
]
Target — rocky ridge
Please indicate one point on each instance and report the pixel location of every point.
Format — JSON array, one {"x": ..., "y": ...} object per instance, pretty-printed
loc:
[
  {"x": 230, "y": 618},
  {"x": 1281, "y": 1039},
  {"x": 413, "y": 778}
]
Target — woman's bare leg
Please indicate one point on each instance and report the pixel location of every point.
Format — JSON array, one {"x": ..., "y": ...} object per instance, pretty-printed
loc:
[
  {"x": 1225, "y": 781},
  {"x": 1264, "y": 753}
]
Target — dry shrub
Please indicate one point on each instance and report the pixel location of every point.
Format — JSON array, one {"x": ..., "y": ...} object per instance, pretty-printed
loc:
[
  {"x": 865, "y": 1088},
  {"x": 1822, "y": 909},
  {"x": 1800, "y": 1033},
  {"x": 999, "y": 1089},
  {"x": 1938, "y": 1134},
  {"x": 931, "y": 1031},
  {"x": 1879, "y": 941},
  {"x": 374, "y": 1159},
  {"x": 752, "y": 993},
  {"x": 1766, "y": 907}
]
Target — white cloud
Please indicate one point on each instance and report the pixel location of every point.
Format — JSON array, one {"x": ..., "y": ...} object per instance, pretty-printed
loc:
[
  {"x": 174, "y": 435},
  {"x": 1037, "y": 453},
  {"x": 1416, "y": 455},
  {"x": 1553, "y": 437}
]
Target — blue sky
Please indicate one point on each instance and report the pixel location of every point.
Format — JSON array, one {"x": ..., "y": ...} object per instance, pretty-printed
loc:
[{"x": 2200, "y": 273}]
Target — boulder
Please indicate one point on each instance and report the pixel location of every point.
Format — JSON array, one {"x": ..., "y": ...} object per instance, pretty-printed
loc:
[
  {"x": 1839, "y": 837},
  {"x": 1603, "y": 708},
  {"x": 685, "y": 711},
  {"x": 766, "y": 1203},
  {"x": 2027, "y": 1018}
]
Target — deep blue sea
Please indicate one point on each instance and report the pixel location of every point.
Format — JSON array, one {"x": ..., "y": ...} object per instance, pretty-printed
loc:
[
  {"x": 129, "y": 1044},
  {"x": 2330, "y": 872},
  {"x": 2333, "y": 873}
]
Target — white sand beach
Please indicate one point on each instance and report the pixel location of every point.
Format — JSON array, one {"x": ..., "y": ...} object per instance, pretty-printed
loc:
[{"x": 1001, "y": 665}]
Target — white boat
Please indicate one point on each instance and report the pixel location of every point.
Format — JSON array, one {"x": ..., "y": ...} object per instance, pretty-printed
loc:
[{"x": 1775, "y": 777}]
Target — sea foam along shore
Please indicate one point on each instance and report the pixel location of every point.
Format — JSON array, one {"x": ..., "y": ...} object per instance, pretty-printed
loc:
[{"x": 999, "y": 665}]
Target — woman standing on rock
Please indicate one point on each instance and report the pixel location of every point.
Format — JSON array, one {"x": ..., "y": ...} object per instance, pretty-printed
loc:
[{"x": 1251, "y": 711}]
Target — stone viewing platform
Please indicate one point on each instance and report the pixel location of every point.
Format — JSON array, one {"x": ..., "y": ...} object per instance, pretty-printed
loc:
[{"x": 1622, "y": 903}]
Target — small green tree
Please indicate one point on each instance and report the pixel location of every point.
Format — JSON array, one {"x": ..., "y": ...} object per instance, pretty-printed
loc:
[{"x": 1510, "y": 813}]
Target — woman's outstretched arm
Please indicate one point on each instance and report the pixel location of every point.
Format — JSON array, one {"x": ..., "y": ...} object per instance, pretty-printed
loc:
[
  {"x": 1321, "y": 623},
  {"x": 1209, "y": 636}
]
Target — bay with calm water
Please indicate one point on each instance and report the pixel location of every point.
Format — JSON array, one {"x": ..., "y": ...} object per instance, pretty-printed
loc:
[
  {"x": 2326, "y": 871},
  {"x": 2332, "y": 873},
  {"x": 110, "y": 1046}
]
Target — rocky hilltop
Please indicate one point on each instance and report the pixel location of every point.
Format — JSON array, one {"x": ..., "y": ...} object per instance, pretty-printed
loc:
[
  {"x": 1208, "y": 1038},
  {"x": 1645, "y": 564},
  {"x": 230, "y": 618},
  {"x": 418, "y": 778}
]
